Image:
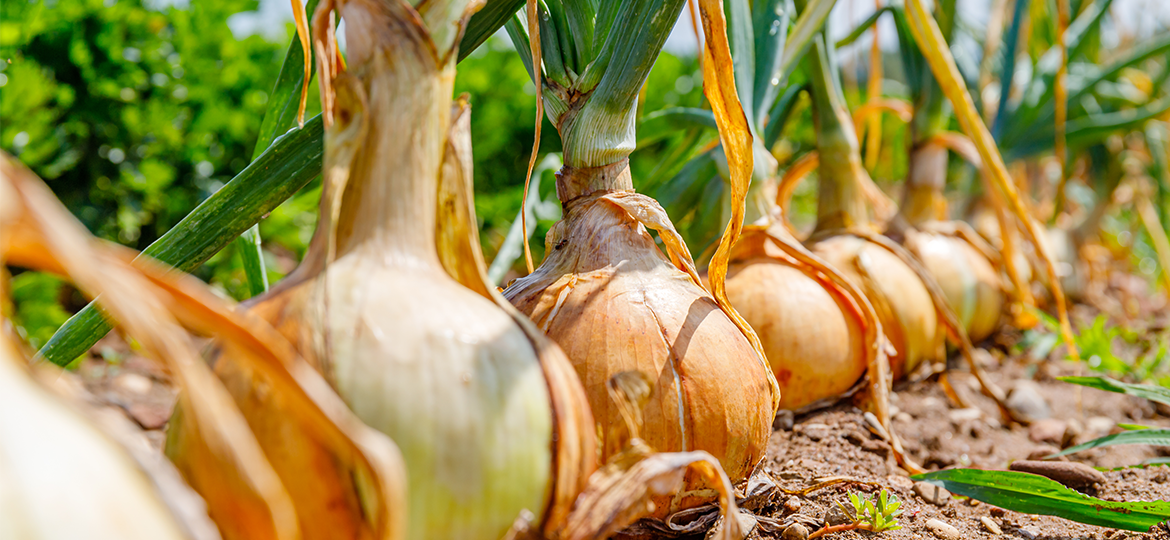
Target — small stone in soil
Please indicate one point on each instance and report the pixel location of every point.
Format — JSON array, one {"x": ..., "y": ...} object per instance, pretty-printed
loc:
[
  {"x": 792, "y": 504},
  {"x": 836, "y": 516},
  {"x": 932, "y": 494},
  {"x": 795, "y": 531},
  {"x": 899, "y": 481},
  {"x": 1026, "y": 402},
  {"x": 815, "y": 432},
  {"x": 1039, "y": 453},
  {"x": 959, "y": 416},
  {"x": 1099, "y": 426},
  {"x": 149, "y": 416},
  {"x": 1048, "y": 431},
  {"x": 942, "y": 529},
  {"x": 903, "y": 417},
  {"x": 997, "y": 512},
  {"x": 132, "y": 383},
  {"x": 1028, "y": 532},
  {"x": 990, "y": 525},
  {"x": 1072, "y": 474},
  {"x": 783, "y": 421}
]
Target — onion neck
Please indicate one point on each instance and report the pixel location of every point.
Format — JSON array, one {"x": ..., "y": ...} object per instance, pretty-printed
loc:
[
  {"x": 923, "y": 199},
  {"x": 574, "y": 182},
  {"x": 841, "y": 202},
  {"x": 389, "y": 205}
]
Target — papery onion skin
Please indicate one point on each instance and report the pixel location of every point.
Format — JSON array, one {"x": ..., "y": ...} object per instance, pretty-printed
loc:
[
  {"x": 902, "y": 302},
  {"x": 614, "y": 302},
  {"x": 51, "y": 491},
  {"x": 814, "y": 343}
]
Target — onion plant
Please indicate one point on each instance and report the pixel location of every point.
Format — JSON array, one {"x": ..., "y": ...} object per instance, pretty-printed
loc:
[{"x": 605, "y": 292}]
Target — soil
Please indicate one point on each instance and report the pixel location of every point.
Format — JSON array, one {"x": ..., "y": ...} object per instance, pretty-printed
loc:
[{"x": 835, "y": 442}]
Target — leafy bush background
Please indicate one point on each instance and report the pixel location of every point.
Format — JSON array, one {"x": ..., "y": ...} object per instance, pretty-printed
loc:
[{"x": 133, "y": 112}]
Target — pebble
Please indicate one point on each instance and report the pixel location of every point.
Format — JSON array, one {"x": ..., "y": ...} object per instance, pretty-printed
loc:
[
  {"x": 783, "y": 421},
  {"x": 1048, "y": 431},
  {"x": 899, "y": 481},
  {"x": 1074, "y": 430},
  {"x": 1026, "y": 402},
  {"x": 836, "y": 516},
  {"x": 1072, "y": 474},
  {"x": 795, "y": 531},
  {"x": 903, "y": 417},
  {"x": 792, "y": 504},
  {"x": 959, "y": 416},
  {"x": 932, "y": 494},
  {"x": 815, "y": 432},
  {"x": 149, "y": 416},
  {"x": 1099, "y": 426},
  {"x": 133, "y": 383},
  {"x": 1038, "y": 453},
  {"x": 990, "y": 525},
  {"x": 1028, "y": 532},
  {"x": 942, "y": 529}
]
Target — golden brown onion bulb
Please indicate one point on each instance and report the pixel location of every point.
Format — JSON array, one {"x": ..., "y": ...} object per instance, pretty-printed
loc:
[
  {"x": 902, "y": 302},
  {"x": 810, "y": 331},
  {"x": 971, "y": 285},
  {"x": 614, "y": 302}
]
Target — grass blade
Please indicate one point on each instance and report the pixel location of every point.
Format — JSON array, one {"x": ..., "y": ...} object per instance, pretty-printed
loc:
[
  {"x": 1033, "y": 494},
  {"x": 1156, "y": 437},
  {"x": 276, "y": 175},
  {"x": 1147, "y": 391}
]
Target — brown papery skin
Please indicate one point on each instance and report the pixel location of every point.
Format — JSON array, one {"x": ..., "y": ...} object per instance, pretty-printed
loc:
[{"x": 614, "y": 302}]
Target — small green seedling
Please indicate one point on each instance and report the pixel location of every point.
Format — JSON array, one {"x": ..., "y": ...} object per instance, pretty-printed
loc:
[
  {"x": 874, "y": 515},
  {"x": 877, "y": 514}
]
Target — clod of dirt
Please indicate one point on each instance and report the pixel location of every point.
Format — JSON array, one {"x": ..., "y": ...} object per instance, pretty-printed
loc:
[
  {"x": 1048, "y": 431},
  {"x": 942, "y": 529},
  {"x": 990, "y": 525},
  {"x": 1027, "y": 403},
  {"x": 932, "y": 494},
  {"x": 795, "y": 531},
  {"x": 1072, "y": 474}
]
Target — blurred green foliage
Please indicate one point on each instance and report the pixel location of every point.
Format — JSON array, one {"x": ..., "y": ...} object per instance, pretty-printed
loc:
[
  {"x": 135, "y": 111},
  {"x": 132, "y": 115}
]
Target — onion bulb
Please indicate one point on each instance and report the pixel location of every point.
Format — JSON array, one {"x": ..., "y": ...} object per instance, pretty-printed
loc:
[
  {"x": 844, "y": 230},
  {"x": 390, "y": 307},
  {"x": 970, "y": 283},
  {"x": 61, "y": 478},
  {"x": 146, "y": 498},
  {"x": 615, "y": 302}
]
